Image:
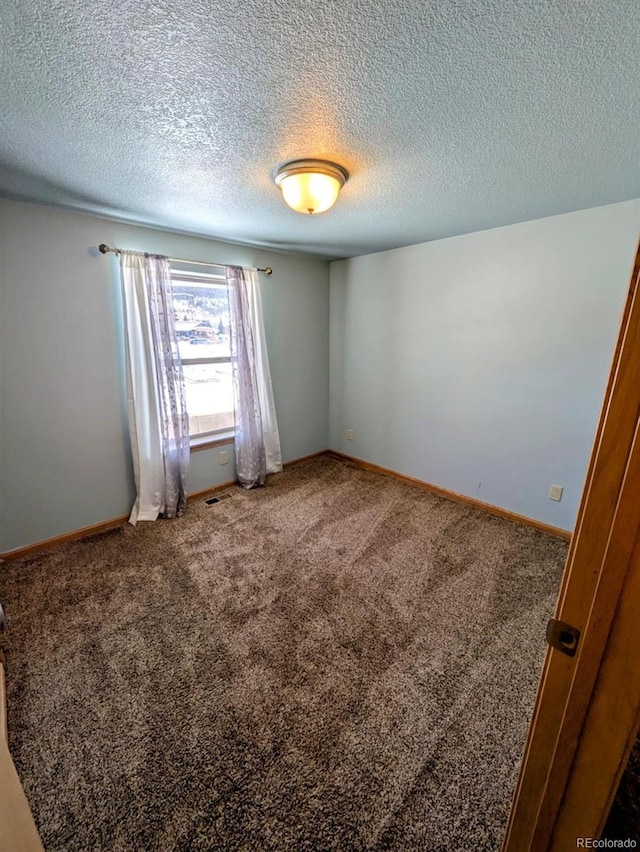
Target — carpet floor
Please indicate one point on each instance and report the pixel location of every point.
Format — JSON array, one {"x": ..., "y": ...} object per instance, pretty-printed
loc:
[{"x": 337, "y": 661}]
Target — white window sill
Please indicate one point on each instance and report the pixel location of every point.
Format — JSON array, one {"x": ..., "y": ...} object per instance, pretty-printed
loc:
[{"x": 205, "y": 442}]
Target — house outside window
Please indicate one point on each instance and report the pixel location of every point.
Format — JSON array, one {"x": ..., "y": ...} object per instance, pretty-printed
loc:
[{"x": 201, "y": 303}]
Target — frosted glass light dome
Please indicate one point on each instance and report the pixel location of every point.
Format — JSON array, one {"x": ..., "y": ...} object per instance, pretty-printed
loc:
[{"x": 310, "y": 186}]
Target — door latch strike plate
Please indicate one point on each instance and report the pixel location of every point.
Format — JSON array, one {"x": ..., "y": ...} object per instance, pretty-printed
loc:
[{"x": 563, "y": 637}]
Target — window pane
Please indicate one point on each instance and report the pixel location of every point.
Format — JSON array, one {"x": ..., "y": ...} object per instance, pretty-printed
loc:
[
  {"x": 202, "y": 319},
  {"x": 209, "y": 397},
  {"x": 202, "y": 328}
]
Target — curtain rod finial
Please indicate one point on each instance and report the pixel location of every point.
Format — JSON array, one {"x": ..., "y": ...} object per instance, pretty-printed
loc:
[{"x": 103, "y": 248}]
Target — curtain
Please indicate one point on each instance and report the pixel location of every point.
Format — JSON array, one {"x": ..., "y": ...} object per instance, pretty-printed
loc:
[
  {"x": 158, "y": 422},
  {"x": 257, "y": 441}
]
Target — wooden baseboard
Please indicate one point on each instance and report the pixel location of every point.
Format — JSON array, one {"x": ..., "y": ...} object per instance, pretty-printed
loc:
[
  {"x": 304, "y": 459},
  {"x": 94, "y": 529},
  {"x": 196, "y": 495},
  {"x": 112, "y": 523},
  {"x": 453, "y": 495},
  {"x": 105, "y": 526},
  {"x": 74, "y": 535}
]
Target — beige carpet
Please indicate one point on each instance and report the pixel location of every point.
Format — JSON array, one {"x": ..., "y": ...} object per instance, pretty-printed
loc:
[{"x": 334, "y": 662}]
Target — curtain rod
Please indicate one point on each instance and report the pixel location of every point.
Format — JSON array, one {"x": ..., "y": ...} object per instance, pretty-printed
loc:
[{"x": 103, "y": 248}]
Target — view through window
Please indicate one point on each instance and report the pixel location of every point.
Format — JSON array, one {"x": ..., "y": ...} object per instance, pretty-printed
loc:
[{"x": 201, "y": 305}]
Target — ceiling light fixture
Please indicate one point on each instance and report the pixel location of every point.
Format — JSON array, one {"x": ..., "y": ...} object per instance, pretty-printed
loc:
[{"x": 310, "y": 186}]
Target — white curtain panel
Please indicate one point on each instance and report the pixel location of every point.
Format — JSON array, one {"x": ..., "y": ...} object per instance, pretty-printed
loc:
[
  {"x": 158, "y": 422},
  {"x": 257, "y": 440}
]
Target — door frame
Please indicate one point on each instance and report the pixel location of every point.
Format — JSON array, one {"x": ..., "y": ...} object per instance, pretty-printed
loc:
[{"x": 557, "y": 797}]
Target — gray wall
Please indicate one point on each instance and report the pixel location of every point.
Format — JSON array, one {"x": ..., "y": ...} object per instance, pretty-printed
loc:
[
  {"x": 65, "y": 460},
  {"x": 478, "y": 363}
]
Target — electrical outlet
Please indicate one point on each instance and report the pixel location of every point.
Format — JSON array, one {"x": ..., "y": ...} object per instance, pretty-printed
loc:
[
  {"x": 555, "y": 493},
  {"x": 223, "y": 457},
  {"x": 349, "y": 434}
]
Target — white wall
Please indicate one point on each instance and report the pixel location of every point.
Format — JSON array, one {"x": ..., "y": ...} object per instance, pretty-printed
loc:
[
  {"x": 65, "y": 459},
  {"x": 478, "y": 363}
]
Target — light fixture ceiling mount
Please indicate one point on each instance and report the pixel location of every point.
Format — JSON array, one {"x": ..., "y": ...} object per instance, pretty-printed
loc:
[{"x": 310, "y": 186}]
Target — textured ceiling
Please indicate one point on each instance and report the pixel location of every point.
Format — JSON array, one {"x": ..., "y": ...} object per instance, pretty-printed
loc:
[{"x": 450, "y": 116}]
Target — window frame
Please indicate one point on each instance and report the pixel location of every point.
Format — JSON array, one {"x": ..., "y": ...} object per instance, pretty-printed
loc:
[{"x": 212, "y": 437}]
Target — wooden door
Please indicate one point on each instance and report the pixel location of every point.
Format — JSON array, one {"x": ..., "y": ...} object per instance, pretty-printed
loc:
[{"x": 561, "y": 761}]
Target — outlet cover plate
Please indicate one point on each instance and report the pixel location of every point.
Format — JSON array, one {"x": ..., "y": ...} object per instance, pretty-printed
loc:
[{"x": 555, "y": 493}]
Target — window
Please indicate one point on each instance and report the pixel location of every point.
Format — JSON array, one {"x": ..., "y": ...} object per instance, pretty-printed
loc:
[{"x": 201, "y": 303}]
